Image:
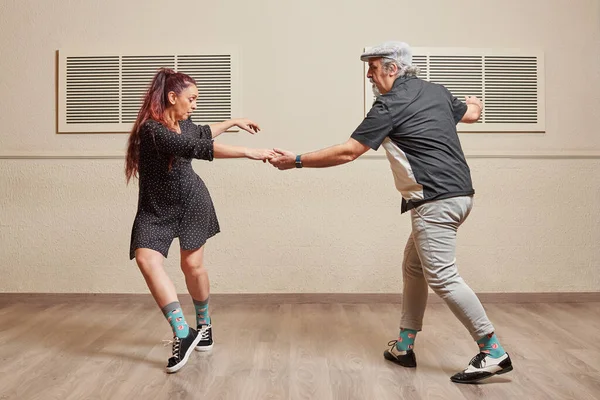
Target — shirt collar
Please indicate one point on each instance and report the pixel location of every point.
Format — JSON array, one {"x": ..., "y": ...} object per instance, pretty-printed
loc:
[{"x": 401, "y": 80}]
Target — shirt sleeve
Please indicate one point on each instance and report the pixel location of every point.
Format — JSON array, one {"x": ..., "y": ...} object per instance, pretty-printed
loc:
[
  {"x": 203, "y": 131},
  {"x": 375, "y": 127},
  {"x": 458, "y": 107},
  {"x": 197, "y": 145}
]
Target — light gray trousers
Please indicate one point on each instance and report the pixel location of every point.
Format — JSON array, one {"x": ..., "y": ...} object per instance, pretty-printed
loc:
[{"x": 430, "y": 260}]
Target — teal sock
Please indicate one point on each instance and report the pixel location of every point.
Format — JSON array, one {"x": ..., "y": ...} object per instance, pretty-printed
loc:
[
  {"x": 174, "y": 315},
  {"x": 489, "y": 344},
  {"x": 201, "y": 307},
  {"x": 406, "y": 339}
]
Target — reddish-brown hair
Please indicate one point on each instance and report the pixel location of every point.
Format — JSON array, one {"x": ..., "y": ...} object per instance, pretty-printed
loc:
[{"x": 155, "y": 103}]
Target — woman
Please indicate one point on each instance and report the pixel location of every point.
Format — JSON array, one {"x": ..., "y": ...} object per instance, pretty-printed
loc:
[{"x": 174, "y": 202}]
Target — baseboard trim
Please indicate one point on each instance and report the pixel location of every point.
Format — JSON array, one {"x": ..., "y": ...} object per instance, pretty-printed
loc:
[{"x": 293, "y": 298}]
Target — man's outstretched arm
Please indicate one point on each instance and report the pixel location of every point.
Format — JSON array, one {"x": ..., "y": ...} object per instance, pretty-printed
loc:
[{"x": 327, "y": 157}]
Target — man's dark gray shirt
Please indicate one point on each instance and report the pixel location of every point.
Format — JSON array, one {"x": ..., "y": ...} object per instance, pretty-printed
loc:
[{"x": 416, "y": 124}]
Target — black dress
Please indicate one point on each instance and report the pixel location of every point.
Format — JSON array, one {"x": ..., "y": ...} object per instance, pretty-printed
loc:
[{"x": 173, "y": 201}]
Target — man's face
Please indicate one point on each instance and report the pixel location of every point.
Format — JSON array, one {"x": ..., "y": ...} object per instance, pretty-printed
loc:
[{"x": 382, "y": 80}]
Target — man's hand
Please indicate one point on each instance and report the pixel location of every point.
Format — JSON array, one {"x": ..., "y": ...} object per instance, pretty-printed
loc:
[
  {"x": 474, "y": 108},
  {"x": 283, "y": 159},
  {"x": 474, "y": 100}
]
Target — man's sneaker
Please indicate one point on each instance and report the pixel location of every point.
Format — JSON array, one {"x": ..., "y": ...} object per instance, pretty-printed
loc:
[
  {"x": 483, "y": 366},
  {"x": 405, "y": 358},
  {"x": 182, "y": 348},
  {"x": 206, "y": 340}
]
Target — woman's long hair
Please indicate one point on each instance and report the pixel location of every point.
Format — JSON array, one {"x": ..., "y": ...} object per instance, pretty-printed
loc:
[{"x": 155, "y": 103}]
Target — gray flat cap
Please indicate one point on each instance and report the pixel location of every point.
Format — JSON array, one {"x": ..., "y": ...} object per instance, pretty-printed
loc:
[{"x": 398, "y": 51}]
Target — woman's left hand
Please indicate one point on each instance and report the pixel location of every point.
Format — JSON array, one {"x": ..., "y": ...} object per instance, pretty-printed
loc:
[{"x": 247, "y": 125}]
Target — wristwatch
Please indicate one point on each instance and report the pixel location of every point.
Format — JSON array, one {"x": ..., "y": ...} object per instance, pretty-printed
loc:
[{"x": 298, "y": 161}]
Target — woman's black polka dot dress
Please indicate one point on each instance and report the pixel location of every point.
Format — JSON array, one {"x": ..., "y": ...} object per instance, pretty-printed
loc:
[{"x": 173, "y": 202}]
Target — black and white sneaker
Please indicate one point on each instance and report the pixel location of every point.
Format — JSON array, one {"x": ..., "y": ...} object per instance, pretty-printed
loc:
[
  {"x": 206, "y": 339},
  {"x": 483, "y": 366},
  {"x": 182, "y": 348},
  {"x": 405, "y": 358}
]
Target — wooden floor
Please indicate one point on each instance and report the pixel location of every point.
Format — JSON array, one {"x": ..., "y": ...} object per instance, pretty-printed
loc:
[{"x": 291, "y": 351}]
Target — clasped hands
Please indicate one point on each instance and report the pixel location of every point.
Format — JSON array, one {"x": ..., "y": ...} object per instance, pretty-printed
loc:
[{"x": 281, "y": 159}]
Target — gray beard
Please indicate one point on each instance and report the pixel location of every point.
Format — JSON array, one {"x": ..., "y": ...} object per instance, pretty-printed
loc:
[{"x": 376, "y": 91}]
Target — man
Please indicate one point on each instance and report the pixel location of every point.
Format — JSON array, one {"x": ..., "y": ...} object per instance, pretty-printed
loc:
[{"x": 415, "y": 121}]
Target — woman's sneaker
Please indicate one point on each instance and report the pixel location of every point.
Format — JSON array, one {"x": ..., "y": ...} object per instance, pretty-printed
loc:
[
  {"x": 206, "y": 340},
  {"x": 182, "y": 348},
  {"x": 405, "y": 358},
  {"x": 483, "y": 366}
]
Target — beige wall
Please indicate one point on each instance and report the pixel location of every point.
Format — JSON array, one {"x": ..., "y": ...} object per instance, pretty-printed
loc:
[{"x": 65, "y": 222}]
